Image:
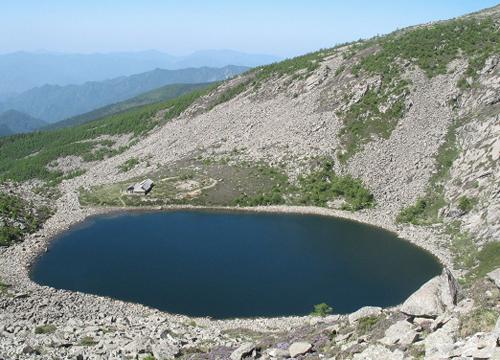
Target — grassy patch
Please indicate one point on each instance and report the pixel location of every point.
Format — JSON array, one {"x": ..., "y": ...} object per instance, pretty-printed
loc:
[
  {"x": 467, "y": 256},
  {"x": 128, "y": 165},
  {"x": 273, "y": 196},
  {"x": 466, "y": 203},
  {"x": 366, "y": 324},
  {"x": 488, "y": 259},
  {"x": 479, "y": 320},
  {"x": 45, "y": 329},
  {"x": 88, "y": 341},
  {"x": 3, "y": 287}
]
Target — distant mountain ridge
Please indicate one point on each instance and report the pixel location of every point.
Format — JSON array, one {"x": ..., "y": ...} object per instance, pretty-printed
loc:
[
  {"x": 21, "y": 71},
  {"x": 53, "y": 103},
  {"x": 16, "y": 122},
  {"x": 157, "y": 95}
]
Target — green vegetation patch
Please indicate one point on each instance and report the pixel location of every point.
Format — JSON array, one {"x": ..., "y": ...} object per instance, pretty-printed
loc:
[
  {"x": 366, "y": 324},
  {"x": 45, "y": 329},
  {"x": 19, "y": 217},
  {"x": 468, "y": 256},
  {"x": 426, "y": 209},
  {"x": 479, "y": 320},
  {"x": 466, "y": 203},
  {"x": 209, "y": 182},
  {"x": 3, "y": 287},
  {"x": 323, "y": 185},
  {"x": 88, "y": 341},
  {"x": 432, "y": 48},
  {"x": 26, "y": 156},
  {"x": 129, "y": 165},
  {"x": 322, "y": 310}
]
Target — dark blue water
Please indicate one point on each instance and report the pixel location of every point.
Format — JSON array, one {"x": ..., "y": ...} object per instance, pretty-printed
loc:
[{"x": 235, "y": 264}]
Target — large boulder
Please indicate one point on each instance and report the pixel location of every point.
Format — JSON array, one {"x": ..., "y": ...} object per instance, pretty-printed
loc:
[
  {"x": 495, "y": 277},
  {"x": 364, "y": 312},
  {"x": 434, "y": 297}
]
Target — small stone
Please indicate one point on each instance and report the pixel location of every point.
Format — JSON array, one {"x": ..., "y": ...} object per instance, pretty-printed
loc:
[{"x": 299, "y": 348}]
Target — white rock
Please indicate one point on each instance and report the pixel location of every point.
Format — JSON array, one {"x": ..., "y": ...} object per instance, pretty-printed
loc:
[
  {"x": 402, "y": 333},
  {"x": 244, "y": 350},
  {"x": 364, "y": 312},
  {"x": 495, "y": 277},
  {"x": 299, "y": 348}
]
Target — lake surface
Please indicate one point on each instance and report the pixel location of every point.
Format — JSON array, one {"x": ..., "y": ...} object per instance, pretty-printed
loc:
[{"x": 235, "y": 264}]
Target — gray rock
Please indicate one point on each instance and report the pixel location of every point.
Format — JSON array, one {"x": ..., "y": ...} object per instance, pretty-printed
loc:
[
  {"x": 299, "y": 348},
  {"x": 479, "y": 346},
  {"x": 433, "y": 298},
  {"x": 495, "y": 277},
  {"x": 243, "y": 351},
  {"x": 379, "y": 352},
  {"x": 364, "y": 312},
  {"x": 402, "y": 333},
  {"x": 440, "y": 344}
]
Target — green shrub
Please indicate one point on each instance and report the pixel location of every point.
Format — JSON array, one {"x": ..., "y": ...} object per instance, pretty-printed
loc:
[
  {"x": 128, "y": 165},
  {"x": 322, "y": 310},
  {"x": 14, "y": 211}
]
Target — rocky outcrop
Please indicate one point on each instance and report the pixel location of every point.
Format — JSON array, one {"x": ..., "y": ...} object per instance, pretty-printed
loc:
[
  {"x": 495, "y": 277},
  {"x": 364, "y": 312},
  {"x": 433, "y": 298}
]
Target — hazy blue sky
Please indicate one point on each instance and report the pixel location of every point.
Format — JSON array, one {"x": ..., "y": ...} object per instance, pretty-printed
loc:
[{"x": 281, "y": 27}]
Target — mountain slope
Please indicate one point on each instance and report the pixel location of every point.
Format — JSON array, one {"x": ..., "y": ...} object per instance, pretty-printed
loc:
[
  {"x": 53, "y": 103},
  {"x": 400, "y": 131},
  {"x": 154, "y": 96},
  {"x": 18, "y": 122},
  {"x": 22, "y": 71}
]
